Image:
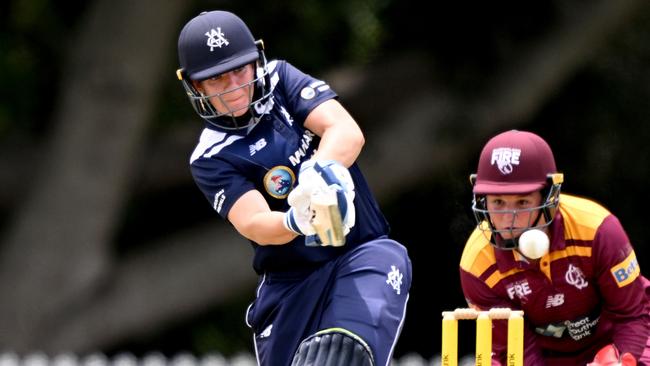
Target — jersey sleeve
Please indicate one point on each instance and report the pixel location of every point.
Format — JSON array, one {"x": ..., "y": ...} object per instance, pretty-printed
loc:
[
  {"x": 303, "y": 92},
  {"x": 622, "y": 287},
  {"x": 220, "y": 182}
]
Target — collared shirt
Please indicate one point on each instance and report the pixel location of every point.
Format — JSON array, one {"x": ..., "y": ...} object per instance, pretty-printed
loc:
[
  {"x": 587, "y": 291},
  {"x": 227, "y": 164}
]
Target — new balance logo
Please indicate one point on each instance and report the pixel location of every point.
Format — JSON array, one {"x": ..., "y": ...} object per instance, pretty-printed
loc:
[
  {"x": 554, "y": 301},
  {"x": 266, "y": 332},
  {"x": 259, "y": 145}
]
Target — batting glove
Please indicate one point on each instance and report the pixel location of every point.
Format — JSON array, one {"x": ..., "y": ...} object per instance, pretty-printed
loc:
[
  {"x": 314, "y": 178},
  {"x": 298, "y": 217},
  {"x": 337, "y": 178}
]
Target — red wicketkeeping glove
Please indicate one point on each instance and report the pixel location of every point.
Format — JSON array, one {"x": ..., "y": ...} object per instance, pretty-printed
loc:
[{"x": 609, "y": 356}]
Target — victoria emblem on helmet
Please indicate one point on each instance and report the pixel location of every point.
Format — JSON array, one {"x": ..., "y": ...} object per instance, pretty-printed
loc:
[
  {"x": 229, "y": 46},
  {"x": 216, "y": 38}
]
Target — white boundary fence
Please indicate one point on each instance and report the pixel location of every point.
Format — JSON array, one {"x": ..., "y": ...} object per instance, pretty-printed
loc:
[{"x": 181, "y": 359}]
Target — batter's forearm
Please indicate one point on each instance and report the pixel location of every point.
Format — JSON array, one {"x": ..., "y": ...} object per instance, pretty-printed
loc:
[
  {"x": 341, "y": 144},
  {"x": 267, "y": 228}
]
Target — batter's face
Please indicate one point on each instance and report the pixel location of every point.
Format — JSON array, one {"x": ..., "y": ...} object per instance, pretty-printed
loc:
[
  {"x": 229, "y": 93},
  {"x": 514, "y": 213}
]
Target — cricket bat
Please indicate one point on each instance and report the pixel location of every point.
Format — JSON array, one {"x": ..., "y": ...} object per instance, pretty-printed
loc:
[{"x": 326, "y": 217}]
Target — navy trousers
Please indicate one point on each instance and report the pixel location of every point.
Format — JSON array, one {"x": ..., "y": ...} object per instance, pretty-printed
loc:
[{"x": 364, "y": 291}]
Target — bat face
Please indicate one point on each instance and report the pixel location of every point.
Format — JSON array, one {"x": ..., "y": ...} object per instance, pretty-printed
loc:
[{"x": 326, "y": 217}]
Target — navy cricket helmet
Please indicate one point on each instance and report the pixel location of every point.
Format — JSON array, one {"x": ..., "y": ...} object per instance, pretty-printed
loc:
[
  {"x": 515, "y": 162},
  {"x": 212, "y": 44}
]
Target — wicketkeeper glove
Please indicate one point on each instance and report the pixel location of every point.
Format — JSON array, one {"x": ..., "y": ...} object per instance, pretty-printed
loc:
[{"x": 609, "y": 356}]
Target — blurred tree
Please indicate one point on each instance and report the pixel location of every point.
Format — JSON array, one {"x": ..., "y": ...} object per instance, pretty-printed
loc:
[
  {"x": 108, "y": 244},
  {"x": 57, "y": 250}
]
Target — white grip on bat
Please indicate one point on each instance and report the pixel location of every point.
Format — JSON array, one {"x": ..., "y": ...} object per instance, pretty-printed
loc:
[
  {"x": 338, "y": 178},
  {"x": 326, "y": 218}
]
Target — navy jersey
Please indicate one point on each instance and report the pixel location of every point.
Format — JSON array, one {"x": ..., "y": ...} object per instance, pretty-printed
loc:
[{"x": 227, "y": 164}]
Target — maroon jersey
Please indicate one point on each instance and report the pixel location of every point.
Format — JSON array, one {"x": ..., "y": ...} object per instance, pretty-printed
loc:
[{"x": 586, "y": 292}]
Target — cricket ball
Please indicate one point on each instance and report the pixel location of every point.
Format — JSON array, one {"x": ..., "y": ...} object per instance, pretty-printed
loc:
[{"x": 533, "y": 243}]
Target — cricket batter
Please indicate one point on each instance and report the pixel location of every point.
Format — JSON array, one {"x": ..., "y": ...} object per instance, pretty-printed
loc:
[
  {"x": 565, "y": 261},
  {"x": 274, "y": 140}
]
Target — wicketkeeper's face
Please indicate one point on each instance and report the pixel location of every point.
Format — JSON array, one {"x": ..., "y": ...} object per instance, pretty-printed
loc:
[
  {"x": 230, "y": 93},
  {"x": 513, "y": 214}
]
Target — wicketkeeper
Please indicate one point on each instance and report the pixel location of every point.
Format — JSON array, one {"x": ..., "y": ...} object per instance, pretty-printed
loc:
[
  {"x": 277, "y": 160},
  {"x": 564, "y": 260}
]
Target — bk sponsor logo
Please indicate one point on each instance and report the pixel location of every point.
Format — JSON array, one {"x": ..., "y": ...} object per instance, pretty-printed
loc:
[{"x": 626, "y": 271}]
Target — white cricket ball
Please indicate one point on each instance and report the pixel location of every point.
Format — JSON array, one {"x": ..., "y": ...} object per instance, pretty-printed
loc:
[{"x": 533, "y": 243}]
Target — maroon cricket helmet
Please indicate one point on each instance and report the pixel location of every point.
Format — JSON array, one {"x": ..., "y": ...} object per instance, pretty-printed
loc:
[{"x": 514, "y": 162}]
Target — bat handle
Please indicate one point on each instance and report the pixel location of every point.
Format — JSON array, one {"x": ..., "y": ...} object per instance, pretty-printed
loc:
[{"x": 327, "y": 218}]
